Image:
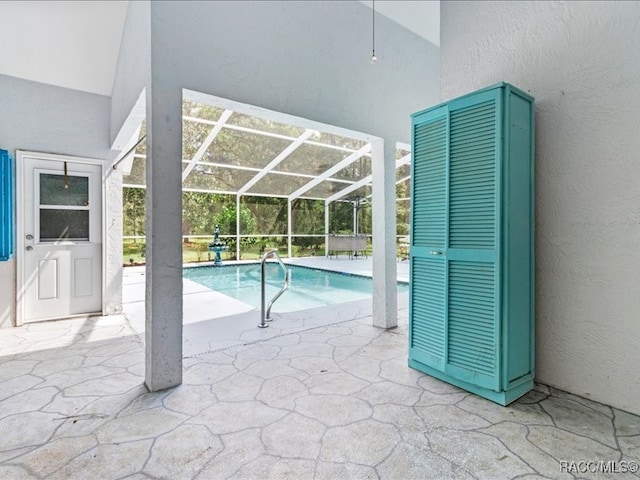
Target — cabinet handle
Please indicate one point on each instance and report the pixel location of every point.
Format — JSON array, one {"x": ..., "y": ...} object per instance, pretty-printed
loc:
[{"x": 435, "y": 252}]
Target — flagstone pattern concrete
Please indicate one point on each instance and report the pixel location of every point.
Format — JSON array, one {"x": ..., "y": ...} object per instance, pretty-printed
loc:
[{"x": 331, "y": 402}]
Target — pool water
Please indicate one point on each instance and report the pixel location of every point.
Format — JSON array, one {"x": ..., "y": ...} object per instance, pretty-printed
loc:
[{"x": 309, "y": 287}]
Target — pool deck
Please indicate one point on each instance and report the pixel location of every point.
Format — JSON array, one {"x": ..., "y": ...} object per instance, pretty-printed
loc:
[{"x": 326, "y": 402}]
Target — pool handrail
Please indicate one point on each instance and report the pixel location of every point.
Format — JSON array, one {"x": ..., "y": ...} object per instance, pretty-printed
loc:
[{"x": 265, "y": 314}]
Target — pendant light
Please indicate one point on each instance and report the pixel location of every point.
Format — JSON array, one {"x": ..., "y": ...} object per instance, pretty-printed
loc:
[{"x": 374, "y": 59}]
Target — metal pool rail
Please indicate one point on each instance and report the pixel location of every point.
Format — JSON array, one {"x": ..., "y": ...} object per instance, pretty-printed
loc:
[{"x": 265, "y": 314}]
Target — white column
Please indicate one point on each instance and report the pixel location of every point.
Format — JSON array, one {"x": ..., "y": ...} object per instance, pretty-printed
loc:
[
  {"x": 112, "y": 302},
  {"x": 385, "y": 290},
  {"x": 238, "y": 227},
  {"x": 163, "y": 334},
  {"x": 326, "y": 229},
  {"x": 289, "y": 223},
  {"x": 355, "y": 218}
]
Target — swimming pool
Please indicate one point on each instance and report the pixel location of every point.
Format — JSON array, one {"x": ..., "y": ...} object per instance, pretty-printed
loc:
[{"x": 309, "y": 287}]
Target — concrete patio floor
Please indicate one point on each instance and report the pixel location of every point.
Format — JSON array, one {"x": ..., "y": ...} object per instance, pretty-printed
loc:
[{"x": 332, "y": 401}]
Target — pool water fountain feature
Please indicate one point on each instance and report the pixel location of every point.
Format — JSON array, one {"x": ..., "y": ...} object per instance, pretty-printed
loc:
[{"x": 217, "y": 246}]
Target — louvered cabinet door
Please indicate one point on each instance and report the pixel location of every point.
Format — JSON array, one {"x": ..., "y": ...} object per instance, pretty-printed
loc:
[
  {"x": 471, "y": 307},
  {"x": 473, "y": 240},
  {"x": 427, "y": 303},
  {"x": 453, "y": 301}
]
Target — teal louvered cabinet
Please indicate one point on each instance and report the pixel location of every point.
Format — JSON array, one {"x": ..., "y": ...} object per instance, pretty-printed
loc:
[
  {"x": 471, "y": 302},
  {"x": 6, "y": 205}
]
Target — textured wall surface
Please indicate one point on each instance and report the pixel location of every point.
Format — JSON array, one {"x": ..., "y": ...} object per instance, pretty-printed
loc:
[
  {"x": 581, "y": 62},
  {"x": 132, "y": 71},
  {"x": 44, "y": 118},
  {"x": 112, "y": 302},
  {"x": 309, "y": 59},
  {"x": 7, "y": 292}
]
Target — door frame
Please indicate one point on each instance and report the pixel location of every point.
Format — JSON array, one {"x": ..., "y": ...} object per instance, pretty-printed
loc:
[{"x": 21, "y": 155}]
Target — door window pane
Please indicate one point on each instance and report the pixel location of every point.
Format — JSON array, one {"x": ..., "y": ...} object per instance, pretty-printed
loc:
[
  {"x": 53, "y": 191},
  {"x": 64, "y": 225}
]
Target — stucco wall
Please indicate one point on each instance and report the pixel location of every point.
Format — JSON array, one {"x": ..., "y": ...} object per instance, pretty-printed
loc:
[
  {"x": 309, "y": 59},
  {"x": 44, "y": 118},
  {"x": 132, "y": 74},
  {"x": 7, "y": 293},
  {"x": 582, "y": 63}
]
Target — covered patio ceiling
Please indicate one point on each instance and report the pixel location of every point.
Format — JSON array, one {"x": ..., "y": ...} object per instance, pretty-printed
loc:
[{"x": 227, "y": 151}]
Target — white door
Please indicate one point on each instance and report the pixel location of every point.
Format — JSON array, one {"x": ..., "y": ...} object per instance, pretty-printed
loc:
[{"x": 59, "y": 237}]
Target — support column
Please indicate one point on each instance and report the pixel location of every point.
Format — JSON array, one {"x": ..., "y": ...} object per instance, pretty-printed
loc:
[
  {"x": 238, "y": 227},
  {"x": 163, "y": 334},
  {"x": 385, "y": 290},
  {"x": 289, "y": 224},
  {"x": 355, "y": 219},
  {"x": 326, "y": 229},
  {"x": 112, "y": 301}
]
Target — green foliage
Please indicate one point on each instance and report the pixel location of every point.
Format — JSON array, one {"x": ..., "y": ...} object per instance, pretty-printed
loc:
[
  {"x": 341, "y": 217},
  {"x": 226, "y": 219},
  {"x": 403, "y": 217},
  {"x": 134, "y": 209},
  {"x": 307, "y": 216},
  {"x": 269, "y": 213},
  {"x": 197, "y": 213}
]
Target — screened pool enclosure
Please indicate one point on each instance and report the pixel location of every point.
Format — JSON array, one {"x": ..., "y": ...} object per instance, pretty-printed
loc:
[{"x": 266, "y": 184}]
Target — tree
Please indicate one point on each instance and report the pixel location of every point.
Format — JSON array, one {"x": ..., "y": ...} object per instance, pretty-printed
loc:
[
  {"x": 134, "y": 207},
  {"x": 307, "y": 216},
  {"x": 341, "y": 217},
  {"x": 226, "y": 220},
  {"x": 403, "y": 218},
  {"x": 197, "y": 213},
  {"x": 269, "y": 214}
]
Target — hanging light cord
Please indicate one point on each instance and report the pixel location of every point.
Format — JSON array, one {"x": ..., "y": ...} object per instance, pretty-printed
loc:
[{"x": 374, "y": 59}]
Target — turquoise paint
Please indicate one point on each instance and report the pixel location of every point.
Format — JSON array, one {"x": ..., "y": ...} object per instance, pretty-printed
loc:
[
  {"x": 426, "y": 233},
  {"x": 502, "y": 397},
  {"x": 471, "y": 295},
  {"x": 6, "y": 206}
]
